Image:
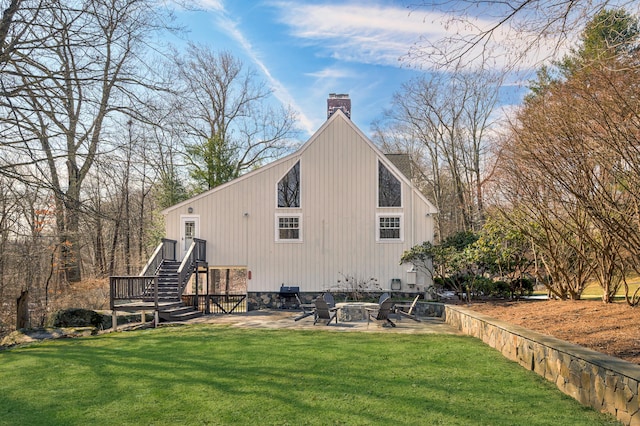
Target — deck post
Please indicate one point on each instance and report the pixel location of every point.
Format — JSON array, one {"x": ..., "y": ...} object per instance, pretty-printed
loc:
[
  {"x": 114, "y": 320},
  {"x": 156, "y": 316},
  {"x": 195, "y": 299},
  {"x": 207, "y": 310},
  {"x": 143, "y": 317}
]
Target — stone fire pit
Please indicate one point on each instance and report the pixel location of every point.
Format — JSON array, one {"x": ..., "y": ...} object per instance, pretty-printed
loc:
[{"x": 354, "y": 311}]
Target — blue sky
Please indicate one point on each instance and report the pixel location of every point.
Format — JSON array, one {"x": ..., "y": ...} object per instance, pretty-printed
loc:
[{"x": 307, "y": 49}]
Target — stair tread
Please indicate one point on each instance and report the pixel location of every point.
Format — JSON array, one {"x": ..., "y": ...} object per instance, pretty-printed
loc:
[{"x": 168, "y": 291}]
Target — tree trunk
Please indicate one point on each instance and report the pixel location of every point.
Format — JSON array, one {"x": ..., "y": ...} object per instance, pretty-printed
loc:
[{"x": 22, "y": 310}]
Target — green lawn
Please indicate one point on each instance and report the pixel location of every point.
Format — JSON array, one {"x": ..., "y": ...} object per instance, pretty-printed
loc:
[
  {"x": 594, "y": 291},
  {"x": 205, "y": 374}
]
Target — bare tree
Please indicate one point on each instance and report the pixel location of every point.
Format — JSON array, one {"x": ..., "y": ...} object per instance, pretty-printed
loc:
[
  {"x": 7, "y": 43},
  {"x": 83, "y": 74},
  {"x": 448, "y": 119},
  {"x": 576, "y": 143},
  {"x": 515, "y": 33},
  {"x": 225, "y": 116},
  {"x": 550, "y": 219}
]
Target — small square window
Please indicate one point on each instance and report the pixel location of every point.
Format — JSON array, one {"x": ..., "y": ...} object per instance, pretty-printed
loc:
[
  {"x": 288, "y": 228},
  {"x": 389, "y": 228}
]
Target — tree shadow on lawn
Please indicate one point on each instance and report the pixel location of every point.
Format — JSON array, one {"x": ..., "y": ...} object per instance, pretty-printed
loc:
[{"x": 218, "y": 374}]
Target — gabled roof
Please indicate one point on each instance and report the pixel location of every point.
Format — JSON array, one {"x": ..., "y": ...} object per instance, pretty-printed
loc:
[
  {"x": 338, "y": 115},
  {"x": 403, "y": 163}
]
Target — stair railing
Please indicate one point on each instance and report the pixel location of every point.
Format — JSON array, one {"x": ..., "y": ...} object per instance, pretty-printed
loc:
[
  {"x": 166, "y": 250},
  {"x": 128, "y": 288},
  {"x": 196, "y": 253}
]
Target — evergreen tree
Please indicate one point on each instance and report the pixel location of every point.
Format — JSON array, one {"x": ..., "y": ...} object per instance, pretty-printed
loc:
[{"x": 212, "y": 163}]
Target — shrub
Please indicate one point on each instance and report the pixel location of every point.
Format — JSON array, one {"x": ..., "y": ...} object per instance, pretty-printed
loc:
[
  {"x": 521, "y": 287},
  {"x": 76, "y": 317}
]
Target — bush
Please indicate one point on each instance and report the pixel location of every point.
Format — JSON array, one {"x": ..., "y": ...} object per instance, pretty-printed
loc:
[
  {"x": 500, "y": 289},
  {"x": 76, "y": 317},
  {"x": 521, "y": 287},
  {"x": 481, "y": 285}
]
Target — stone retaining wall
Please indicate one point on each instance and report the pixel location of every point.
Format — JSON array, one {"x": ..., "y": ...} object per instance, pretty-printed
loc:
[
  {"x": 603, "y": 382},
  {"x": 271, "y": 300}
]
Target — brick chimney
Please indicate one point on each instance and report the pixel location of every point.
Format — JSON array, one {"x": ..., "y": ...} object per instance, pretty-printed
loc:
[{"x": 338, "y": 101}]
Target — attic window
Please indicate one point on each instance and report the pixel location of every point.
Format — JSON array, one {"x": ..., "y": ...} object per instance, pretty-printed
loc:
[
  {"x": 289, "y": 188},
  {"x": 389, "y": 188}
]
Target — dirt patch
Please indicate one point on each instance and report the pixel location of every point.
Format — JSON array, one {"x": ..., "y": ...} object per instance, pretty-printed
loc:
[{"x": 608, "y": 328}]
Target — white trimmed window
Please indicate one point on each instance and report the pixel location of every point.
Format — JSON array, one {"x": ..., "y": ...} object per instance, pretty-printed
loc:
[
  {"x": 389, "y": 227},
  {"x": 389, "y": 188},
  {"x": 289, "y": 188},
  {"x": 289, "y": 227}
]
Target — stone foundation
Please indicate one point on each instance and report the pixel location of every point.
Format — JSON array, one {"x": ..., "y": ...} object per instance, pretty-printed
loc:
[
  {"x": 271, "y": 300},
  {"x": 603, "y": 382}
]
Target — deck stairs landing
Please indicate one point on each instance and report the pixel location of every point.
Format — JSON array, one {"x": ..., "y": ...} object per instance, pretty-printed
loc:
[
  {"x": 161, "y": 276},
  {"x": 173, "y": 309}
]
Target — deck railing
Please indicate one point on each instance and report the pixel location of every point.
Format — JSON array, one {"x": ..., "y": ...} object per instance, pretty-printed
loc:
[
  {"x": 133, "y": 289},
  {"x": 216, "y": 303},
  {"x": 166, "y": 250},
  {"x": 197, "y": 253}
]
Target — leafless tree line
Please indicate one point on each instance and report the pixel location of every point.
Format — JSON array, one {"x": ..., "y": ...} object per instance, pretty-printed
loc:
[
  {"x": 569, "y": 168},
  {"x": 564, "y": 172},
  {"x": 446, "y": 122},
  {"x": 570, "y": 177},
  {"x": 97, "y": 119}
]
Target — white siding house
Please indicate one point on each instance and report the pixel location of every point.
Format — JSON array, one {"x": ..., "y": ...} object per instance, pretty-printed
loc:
[{"x": 337, "y": 207}]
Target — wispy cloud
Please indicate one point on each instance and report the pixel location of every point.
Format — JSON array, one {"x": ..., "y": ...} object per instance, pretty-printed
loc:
[
  {"x": 208, "y": 4},
  {"x": 358, "y": 32},
  {"x": 333, "y": 72},
  {"x": 279, "y": 90},
  {"x": 372, "y": 33}
]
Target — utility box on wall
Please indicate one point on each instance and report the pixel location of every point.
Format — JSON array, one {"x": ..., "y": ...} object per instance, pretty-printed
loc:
[
  {"x": 412, "y": 277},
  {"x": 396, "y": 284}
]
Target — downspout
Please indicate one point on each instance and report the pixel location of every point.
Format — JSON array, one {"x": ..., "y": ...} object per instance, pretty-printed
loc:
[{"x": 413, "y": 214}]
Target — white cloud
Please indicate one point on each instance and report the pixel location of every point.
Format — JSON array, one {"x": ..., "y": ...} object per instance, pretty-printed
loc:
[
  {"x": 279, "y": 90},
  {"x": 209, "y": 4},
  {"x": 357, "y": 32},
  {"x": 334, "y": 72},
  {"x": 372, "y": 33}
]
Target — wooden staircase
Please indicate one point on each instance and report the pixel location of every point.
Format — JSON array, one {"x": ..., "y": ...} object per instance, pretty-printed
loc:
[
  {"x": 168, "y": 292},
  {"x": 160, "y": 285}
]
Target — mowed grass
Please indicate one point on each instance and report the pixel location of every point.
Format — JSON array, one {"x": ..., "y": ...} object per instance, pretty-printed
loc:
[
  {"x": 206, "y": 374},
  {"x": 594, "y": 291}
]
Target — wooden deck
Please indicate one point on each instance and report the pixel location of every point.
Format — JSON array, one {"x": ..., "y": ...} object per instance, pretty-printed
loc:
[{"x": 145, "y": 306}]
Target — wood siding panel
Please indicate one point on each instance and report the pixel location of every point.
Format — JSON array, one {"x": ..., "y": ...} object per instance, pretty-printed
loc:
[{"x": 338, "y": 205}]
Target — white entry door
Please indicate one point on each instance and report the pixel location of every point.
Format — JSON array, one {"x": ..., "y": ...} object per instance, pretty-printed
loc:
[{"x": 190, "y": 229}]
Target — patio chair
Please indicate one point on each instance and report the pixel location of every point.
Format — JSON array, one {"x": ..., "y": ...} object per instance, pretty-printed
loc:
[
  {"x": 399, "y": 308},
  {"x": 383, "y": 297},
  {"x": 324, "y": 312},
  {"x": 381, "y": 313},
  {"x": 328, "y": 297},
  {"x": 307, "y": 309}
]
